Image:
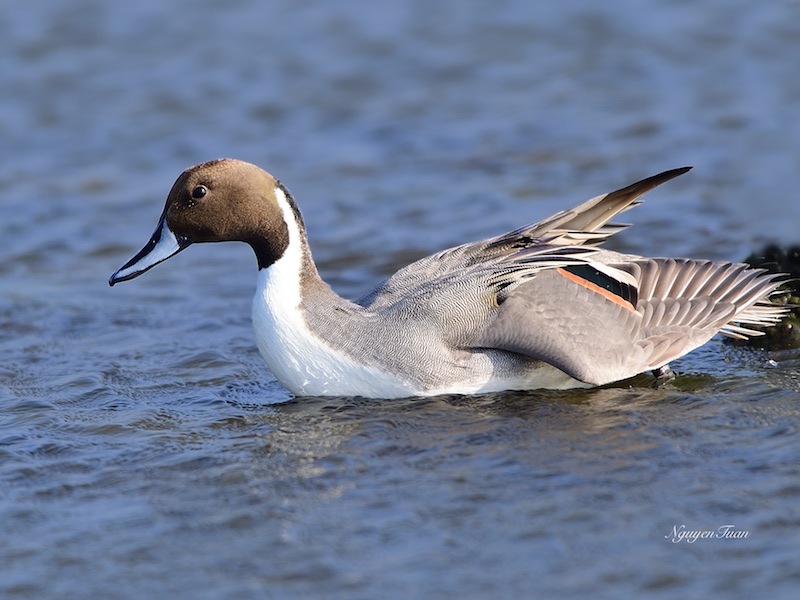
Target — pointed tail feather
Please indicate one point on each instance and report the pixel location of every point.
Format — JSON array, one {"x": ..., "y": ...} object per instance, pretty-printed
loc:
[{"x": 595, "y": 213}]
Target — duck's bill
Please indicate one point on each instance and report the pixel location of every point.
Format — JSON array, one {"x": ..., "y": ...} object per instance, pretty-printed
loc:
[{"x": 162, "y": 245}]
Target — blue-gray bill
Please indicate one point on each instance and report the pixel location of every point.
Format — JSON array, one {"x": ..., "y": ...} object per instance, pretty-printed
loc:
[{"x": 162, "y": 245}]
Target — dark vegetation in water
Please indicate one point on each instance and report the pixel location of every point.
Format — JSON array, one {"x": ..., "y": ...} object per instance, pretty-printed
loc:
[{"x": 779, "y": 259}]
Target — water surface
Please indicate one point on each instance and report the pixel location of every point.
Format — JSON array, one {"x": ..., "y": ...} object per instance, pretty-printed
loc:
[{"x": 145, "y": 451}]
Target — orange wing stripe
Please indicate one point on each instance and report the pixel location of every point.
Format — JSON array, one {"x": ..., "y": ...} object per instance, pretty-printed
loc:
[{"x": 596, "y": 288}]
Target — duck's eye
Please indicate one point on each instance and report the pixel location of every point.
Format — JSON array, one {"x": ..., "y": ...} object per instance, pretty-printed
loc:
[{"x": 199, "y": 192}]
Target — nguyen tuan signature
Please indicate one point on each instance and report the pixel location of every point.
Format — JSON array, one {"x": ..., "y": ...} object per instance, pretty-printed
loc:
[{"x": 680, "y": 534}]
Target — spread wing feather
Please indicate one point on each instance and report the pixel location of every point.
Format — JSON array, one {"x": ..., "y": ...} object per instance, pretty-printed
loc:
[
  {"x": 547, "y": 292},
  {"x": 681, "y": 304}
]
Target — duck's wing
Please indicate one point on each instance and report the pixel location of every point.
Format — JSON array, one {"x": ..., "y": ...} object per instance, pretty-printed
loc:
[
  {"x": 587, "y": 224},
  {"x": 601, "y": 323}
]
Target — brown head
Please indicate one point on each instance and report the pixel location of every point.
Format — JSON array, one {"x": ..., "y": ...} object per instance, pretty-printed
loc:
[{"x": 219, "y": 201}]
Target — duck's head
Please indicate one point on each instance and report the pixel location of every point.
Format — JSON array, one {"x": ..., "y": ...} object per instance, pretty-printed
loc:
[{"x": 219, "y": 201}]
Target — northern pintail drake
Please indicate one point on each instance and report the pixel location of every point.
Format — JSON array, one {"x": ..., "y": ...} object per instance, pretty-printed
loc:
[{"x": 539, "y": 307}]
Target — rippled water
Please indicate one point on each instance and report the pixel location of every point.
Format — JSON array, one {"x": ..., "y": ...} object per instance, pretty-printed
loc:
[{"x": 145, "y": 451}]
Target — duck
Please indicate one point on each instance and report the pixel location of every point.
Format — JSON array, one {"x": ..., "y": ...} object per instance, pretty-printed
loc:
[{"x": 540, "y": 307}]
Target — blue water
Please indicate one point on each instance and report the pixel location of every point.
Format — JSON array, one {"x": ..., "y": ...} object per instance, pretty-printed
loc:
[{"x": 145, "y": 451}]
